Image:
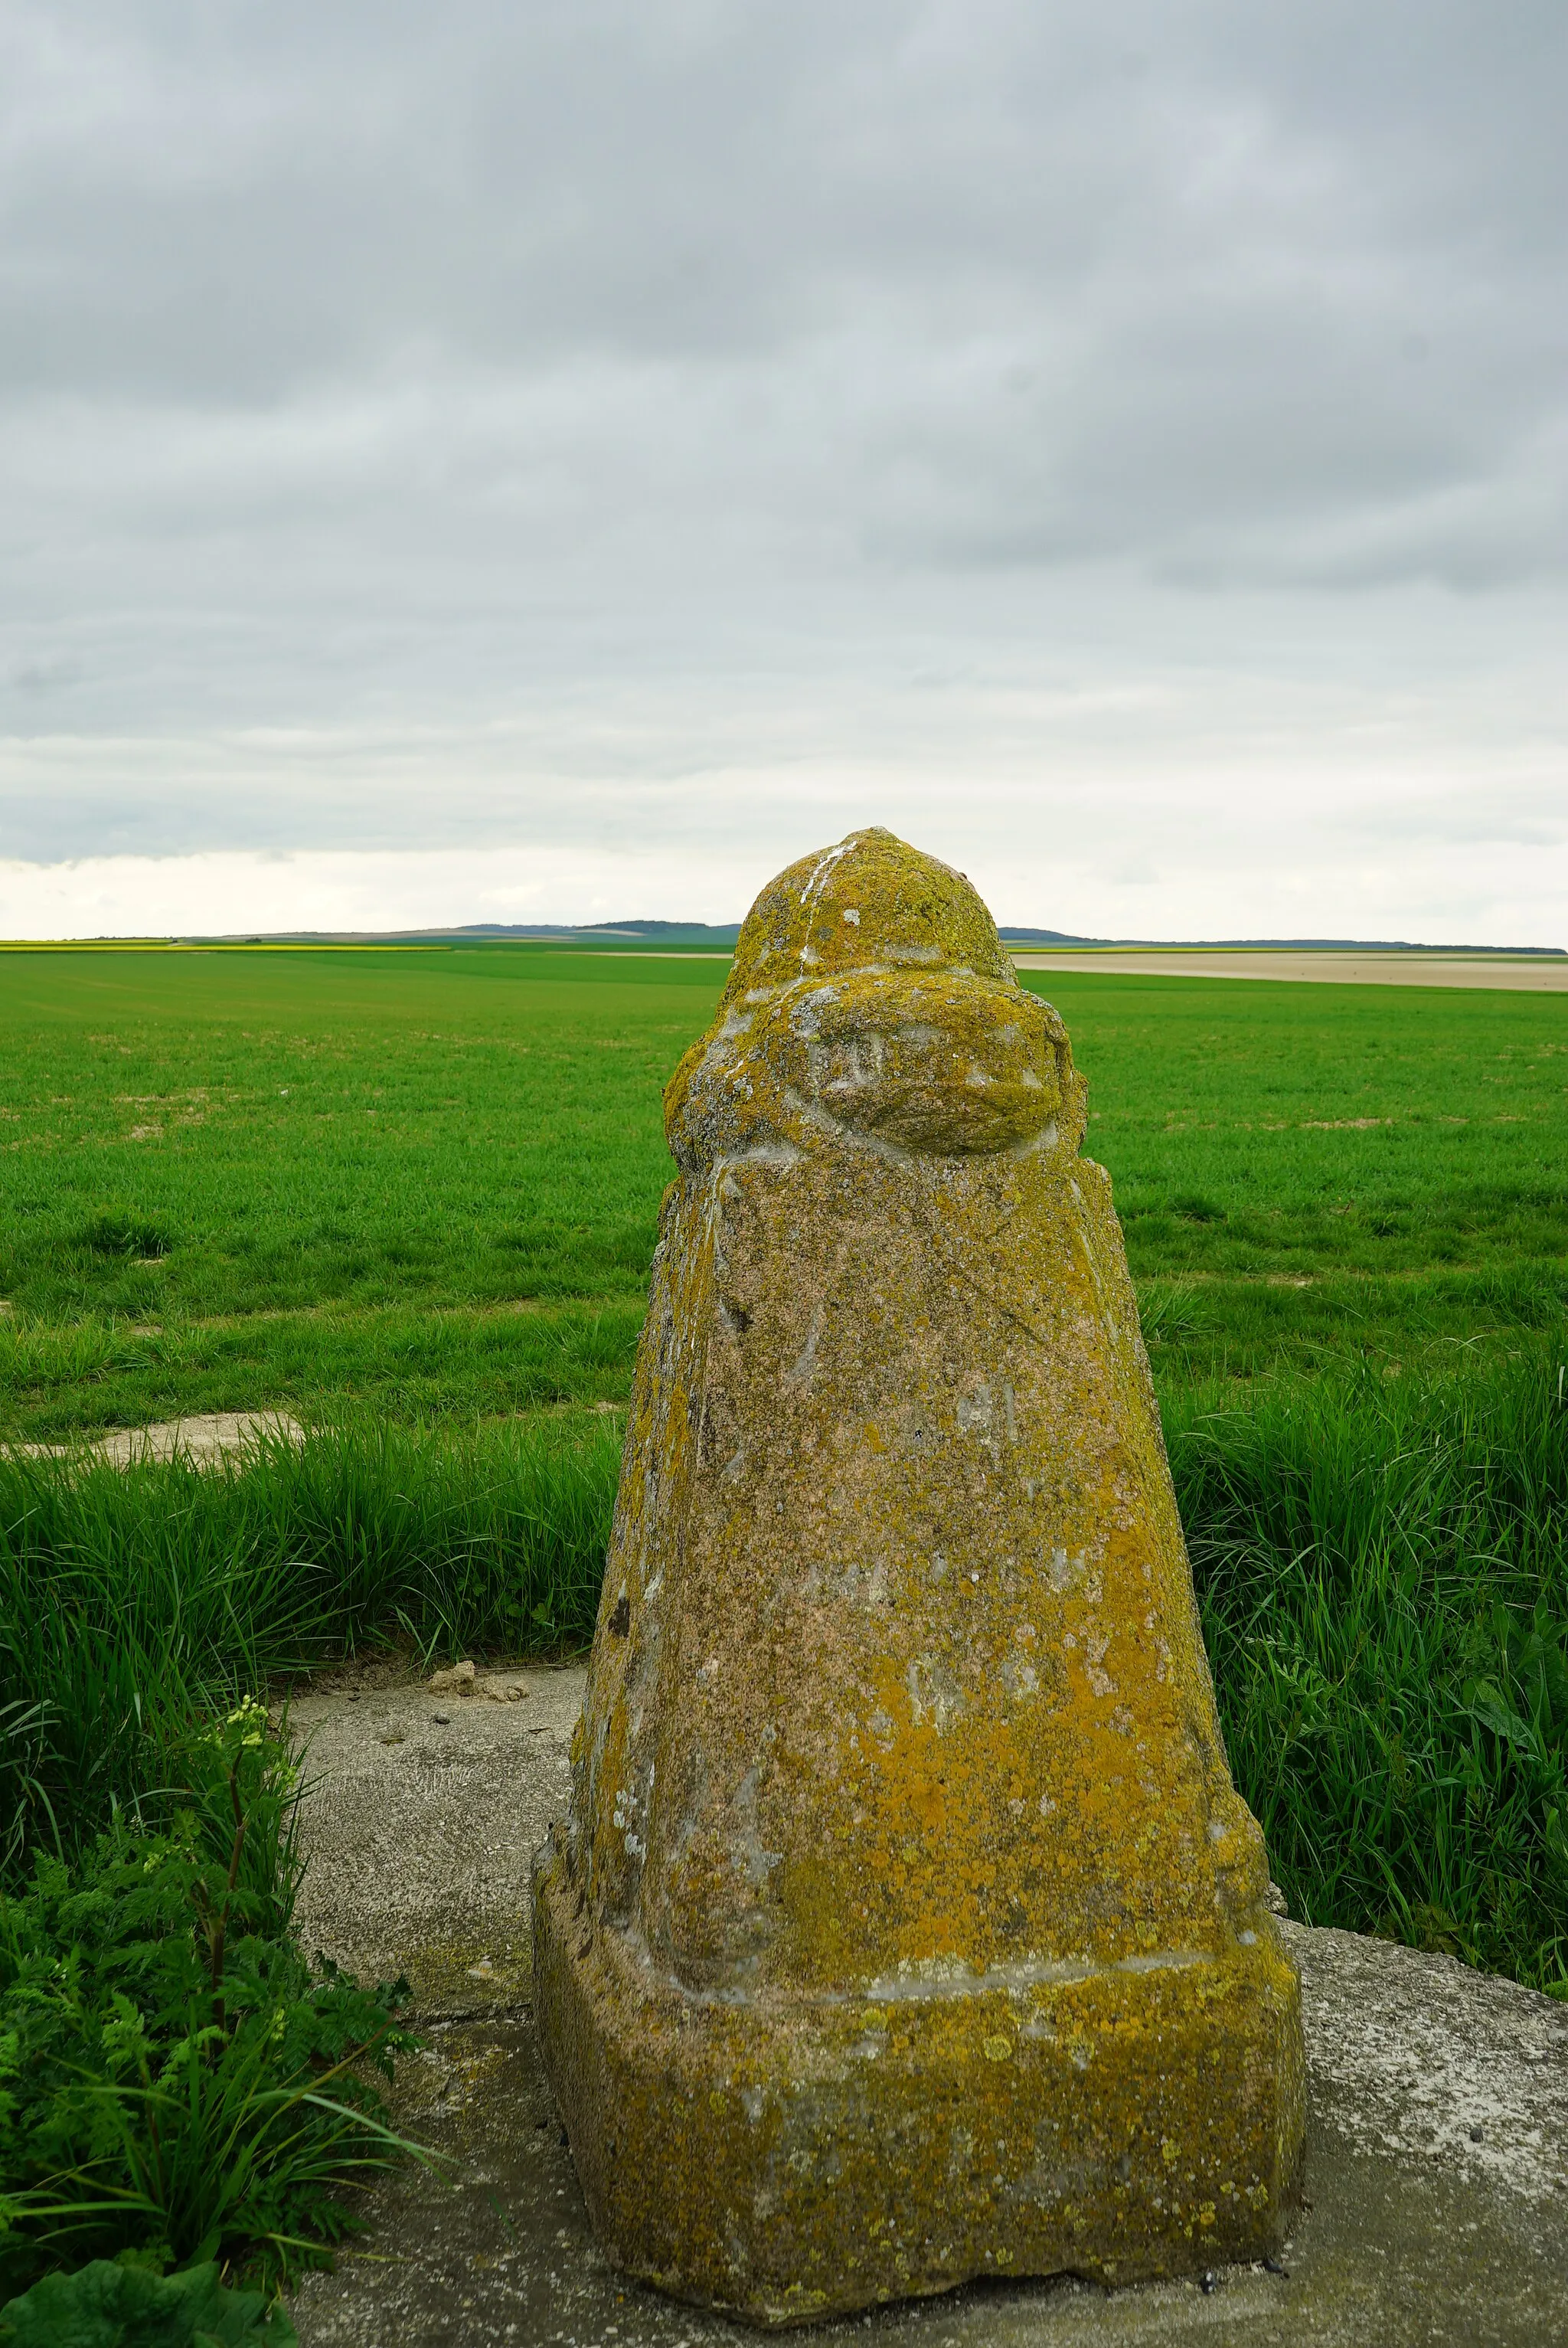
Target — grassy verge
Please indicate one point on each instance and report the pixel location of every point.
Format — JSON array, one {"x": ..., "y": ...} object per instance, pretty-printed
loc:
[
  {"x": 1382, "y": 1569},
  {"x": 1383, "y": 1578},
  {"x": 176, "y": 2081},
  {"x": 177, "y": 2084},
  {"x": 450, "y": 1362},
  {"x": 132, "y": 1599}
]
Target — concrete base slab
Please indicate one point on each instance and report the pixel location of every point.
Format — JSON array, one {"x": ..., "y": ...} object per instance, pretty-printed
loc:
[
  {"x": 1437, "y": 2163},
  {"x": 421, "y": 1816}
]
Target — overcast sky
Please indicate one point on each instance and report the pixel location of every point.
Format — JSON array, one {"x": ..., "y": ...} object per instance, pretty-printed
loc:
[{"x": 563, "y": 459}]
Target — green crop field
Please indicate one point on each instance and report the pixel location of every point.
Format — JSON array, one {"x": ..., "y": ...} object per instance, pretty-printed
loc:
[
  {"x": 428, "y": 1179},
  {"x": 411, "y": 1197}
]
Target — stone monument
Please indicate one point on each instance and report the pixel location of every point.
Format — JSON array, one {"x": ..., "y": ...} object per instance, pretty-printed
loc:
[{"x": 905, "y": 1925}]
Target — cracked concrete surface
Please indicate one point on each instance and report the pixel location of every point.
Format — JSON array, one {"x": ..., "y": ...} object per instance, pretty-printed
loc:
[{"x": 1437, "y": 2191}]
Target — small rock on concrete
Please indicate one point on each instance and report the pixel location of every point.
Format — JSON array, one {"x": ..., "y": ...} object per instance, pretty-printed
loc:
[
  {"x": 464, "y": 1680},
  {"x": 457, "y": 1680}
]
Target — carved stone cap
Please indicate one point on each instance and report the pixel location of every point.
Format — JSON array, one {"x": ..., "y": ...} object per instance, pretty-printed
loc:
[{"x": 871, "y": 1002}]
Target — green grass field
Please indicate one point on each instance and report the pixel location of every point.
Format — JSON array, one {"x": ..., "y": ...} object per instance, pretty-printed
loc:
[
  {"x": 428, "y": 1181},
  {"x": 1382, "y": 1570},
  {"x": 412, "y": 1197}
]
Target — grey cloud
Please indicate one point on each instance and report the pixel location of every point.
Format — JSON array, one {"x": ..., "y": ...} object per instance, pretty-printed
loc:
[
  {"x": 1501, "y": 814},
  {"x": 629, "y": 378}
]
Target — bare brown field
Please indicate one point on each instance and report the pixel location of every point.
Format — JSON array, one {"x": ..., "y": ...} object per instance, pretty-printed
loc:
[{"x": 1525, "y": 975}]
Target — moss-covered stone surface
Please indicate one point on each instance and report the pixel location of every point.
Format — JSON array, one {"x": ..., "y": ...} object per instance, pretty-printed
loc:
[{"x": 905, "y": 1925}]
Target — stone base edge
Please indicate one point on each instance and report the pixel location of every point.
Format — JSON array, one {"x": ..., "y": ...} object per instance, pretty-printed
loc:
[{"x": 788, "y": 2163}]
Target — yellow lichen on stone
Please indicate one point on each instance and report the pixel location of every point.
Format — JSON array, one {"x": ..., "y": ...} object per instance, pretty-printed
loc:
[{"x": 906, "y": 1923}]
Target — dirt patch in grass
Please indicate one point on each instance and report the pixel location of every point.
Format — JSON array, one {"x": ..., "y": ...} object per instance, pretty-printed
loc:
[{"x": 202, "y": 1440}]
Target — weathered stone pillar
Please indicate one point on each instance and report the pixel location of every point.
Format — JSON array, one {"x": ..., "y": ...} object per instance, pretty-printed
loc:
[{"x": 905, "y": 1925}]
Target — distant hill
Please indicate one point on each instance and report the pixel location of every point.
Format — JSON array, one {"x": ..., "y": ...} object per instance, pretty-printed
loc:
[
  {"x": 723, "y": 935},
  {"x": 653, "y": 934},
  {"x": 718, "y": 937}
]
